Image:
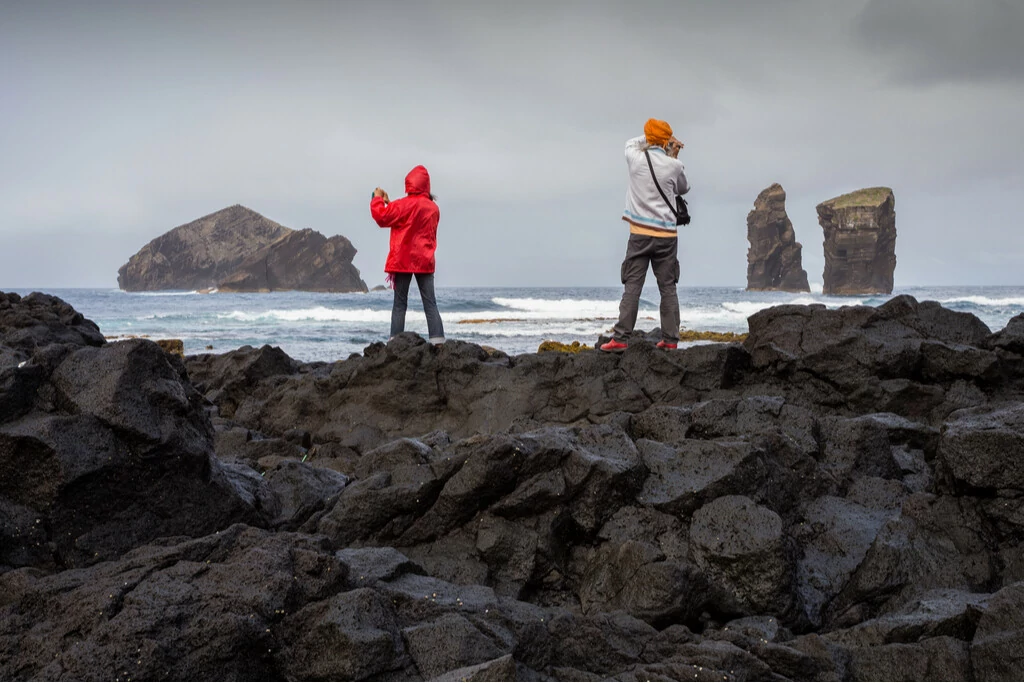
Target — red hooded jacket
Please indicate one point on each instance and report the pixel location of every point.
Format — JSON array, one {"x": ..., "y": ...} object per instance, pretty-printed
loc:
[{"x": 413, "y": 221}]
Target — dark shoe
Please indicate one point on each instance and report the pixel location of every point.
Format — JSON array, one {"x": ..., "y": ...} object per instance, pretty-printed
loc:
[
  {"x": 614, "y": 346},
  {"x": 666, "y": 345}
]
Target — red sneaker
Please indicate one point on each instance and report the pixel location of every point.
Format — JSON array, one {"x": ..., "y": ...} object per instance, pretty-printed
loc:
[
  {"x": 615, "y": 346},
  {"x": 666, "y": 345}
]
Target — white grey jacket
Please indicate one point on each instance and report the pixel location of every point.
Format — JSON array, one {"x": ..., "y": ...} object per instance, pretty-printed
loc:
[{"x": 644, "y": 205}]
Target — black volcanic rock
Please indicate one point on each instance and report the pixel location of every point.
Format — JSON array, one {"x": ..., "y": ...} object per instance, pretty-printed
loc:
[
  {"x": 199, "y": 254},
  {"x": 103, "y": 447},
  {"x": 774, "y": 256},
  {"x": 303, "y": 260},
  {"x": 838, "y": 499},
  {"x": 860, "y": 242},
  {"x": 242, "y": 251}
]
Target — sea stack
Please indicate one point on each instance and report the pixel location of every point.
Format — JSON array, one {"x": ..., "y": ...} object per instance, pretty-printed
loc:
[
  {"x": 239, "y": 250},
  {"x": 774, "y": 256},
  {"x": 860, "y": 242}
]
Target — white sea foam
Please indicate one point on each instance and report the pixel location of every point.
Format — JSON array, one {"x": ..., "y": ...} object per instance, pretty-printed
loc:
[
  {"x": 316, "y": 314},
  {"x": 161, "y": 293},
  {"x": 986, "y": 301},
  {"x": 561, "y": 308},
  {"x": 324, "y": 314}
]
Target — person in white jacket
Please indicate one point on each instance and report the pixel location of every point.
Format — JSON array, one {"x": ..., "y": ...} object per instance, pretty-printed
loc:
[{"x": 652, "y": 231}]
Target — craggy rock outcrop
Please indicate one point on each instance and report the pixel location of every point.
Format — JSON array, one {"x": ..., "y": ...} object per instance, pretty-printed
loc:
[
  {"x": 839, "y": 498},
  {"x": 103, "y": 447},
  {"x": 199, "y": 254},
  {"x": 774, "y": 256},
  {"x": 303, "y": 260},
  {"x": 239, "y": 250},
  {"x": 860, "y": 242}
]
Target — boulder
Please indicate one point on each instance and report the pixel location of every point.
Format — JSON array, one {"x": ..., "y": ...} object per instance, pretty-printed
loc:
[
  {"x": 200, "y": 609},
  {"x": 124, "y": 456},
  {"x": 451, "y": 642},
  {"x": 997, "y": 649},
  {"x": 774, "y": 256},
  {"x": 227, "y": 379},
  {"x": 835, "y": 535},
  {"x": 935, "y": 542},
  {"x": 693, "y": 472},
  {"x": 860, "y": 242},
  {"x": 741, "y": 547},
  {"x": 984, "y": 447}
]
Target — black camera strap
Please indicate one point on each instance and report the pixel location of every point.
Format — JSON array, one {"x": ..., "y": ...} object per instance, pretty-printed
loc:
[{"x": 657, "y": 185}]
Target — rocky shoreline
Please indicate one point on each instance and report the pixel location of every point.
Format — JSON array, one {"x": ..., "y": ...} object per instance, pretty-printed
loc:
[{"x": 839, "y": 497}]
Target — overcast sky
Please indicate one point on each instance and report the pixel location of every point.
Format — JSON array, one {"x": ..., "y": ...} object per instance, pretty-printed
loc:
[{"x": 120, "y": 121}]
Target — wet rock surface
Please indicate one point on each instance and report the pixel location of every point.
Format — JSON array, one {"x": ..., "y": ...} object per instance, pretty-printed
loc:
[{"x": 839, "y": 498}]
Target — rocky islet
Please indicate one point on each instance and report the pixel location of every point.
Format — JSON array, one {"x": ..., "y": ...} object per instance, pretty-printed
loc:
[
  {"x": 838, "y": 497},
  {"x": 238, "y": 250}
]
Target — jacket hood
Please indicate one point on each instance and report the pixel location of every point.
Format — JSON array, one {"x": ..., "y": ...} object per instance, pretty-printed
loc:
[{"x": 418, "y": 181}]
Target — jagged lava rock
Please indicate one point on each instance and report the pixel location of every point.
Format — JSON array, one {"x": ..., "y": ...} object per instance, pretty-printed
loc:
[
  {"x": 303, "y": 260},
  {"x": 860, "y": 242},
  {"x": 199, "y": 254},
  {"x": 103, "y": 446},
  {"x": 448, "y": 513},
  {"x": 774, "y": 256}
]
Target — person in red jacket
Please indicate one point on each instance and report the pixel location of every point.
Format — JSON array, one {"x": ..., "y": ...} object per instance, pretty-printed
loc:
[{"x": 413, "y": 221}]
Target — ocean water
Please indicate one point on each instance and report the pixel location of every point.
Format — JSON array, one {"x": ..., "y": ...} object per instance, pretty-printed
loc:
[{"x": 326, "y": 327}]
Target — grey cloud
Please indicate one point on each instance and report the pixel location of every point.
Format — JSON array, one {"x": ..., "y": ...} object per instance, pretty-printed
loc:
[
  {"x": 937, "y": 41},
  {"x": 126, "y": 119}
]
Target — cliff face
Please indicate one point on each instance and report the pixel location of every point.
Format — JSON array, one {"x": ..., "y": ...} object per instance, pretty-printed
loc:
[
  {"x": 774, "y": 256},
  {"x": 238, "y": 250},
  {"x": 860, "y": 242},
  {"x": 199, "y": 254},
  {"x": 302, "y": 259}
]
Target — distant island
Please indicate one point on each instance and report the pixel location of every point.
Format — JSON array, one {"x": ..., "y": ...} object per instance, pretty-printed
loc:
[{"x": 238, "y": 250}]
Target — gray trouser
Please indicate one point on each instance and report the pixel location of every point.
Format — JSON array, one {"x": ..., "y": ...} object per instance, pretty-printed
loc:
[
  {"x": 660, "y": 254},
  {"x": 425, "y": 281}
]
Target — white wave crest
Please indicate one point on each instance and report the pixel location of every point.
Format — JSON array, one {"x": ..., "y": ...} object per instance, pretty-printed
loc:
[
  {"x": 985, "y": 301},
  {"x": 561, "y": 308},
  {"x": 161, "y": 293},
  {"x": 316, "y": 314}
]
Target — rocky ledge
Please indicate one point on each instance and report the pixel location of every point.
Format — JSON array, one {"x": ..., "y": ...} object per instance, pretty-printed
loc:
[{"x": 840, "y": 497}]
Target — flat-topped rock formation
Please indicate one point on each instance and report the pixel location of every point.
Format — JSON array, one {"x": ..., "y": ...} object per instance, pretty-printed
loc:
[
  {"x": 860, "y": 242},
  {"x": 774, "y": 257},
  {"x": 840, "y": 497},
  {"x": 245, "y": 252}
]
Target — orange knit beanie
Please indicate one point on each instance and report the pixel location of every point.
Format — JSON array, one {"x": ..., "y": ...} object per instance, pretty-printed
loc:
[{"x": 657, "y": 132}]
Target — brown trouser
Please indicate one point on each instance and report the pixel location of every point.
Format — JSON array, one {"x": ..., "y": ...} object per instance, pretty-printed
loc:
[{"x": 660, "y": 254}]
